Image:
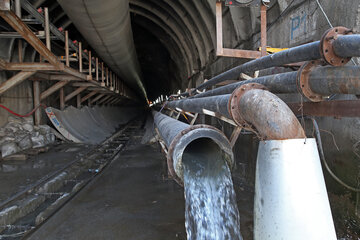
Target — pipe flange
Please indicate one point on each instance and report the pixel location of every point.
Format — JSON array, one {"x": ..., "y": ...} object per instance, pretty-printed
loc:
[
  {"x": 326, "y": 48},
  {"x": 177, "y": 139},
  {"x": 302, "y": 81},
  {"x": 233, "y": 106}
]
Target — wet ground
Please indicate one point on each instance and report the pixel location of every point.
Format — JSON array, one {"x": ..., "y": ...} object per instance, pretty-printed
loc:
[
  {"x": 130, "y": 200},
  {"x": 17, "y": 175}
]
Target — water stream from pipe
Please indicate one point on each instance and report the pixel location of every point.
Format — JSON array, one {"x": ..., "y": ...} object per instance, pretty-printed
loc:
[{"x": 211, "y": 211}]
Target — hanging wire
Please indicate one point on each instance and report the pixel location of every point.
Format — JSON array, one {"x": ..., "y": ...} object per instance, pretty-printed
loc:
[
  {"x": 324, "y": 13},
  {"x": 322, "y": 157}
]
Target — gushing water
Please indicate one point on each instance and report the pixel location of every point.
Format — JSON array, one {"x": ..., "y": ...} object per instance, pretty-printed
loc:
[{"x": 211, "y": 212}]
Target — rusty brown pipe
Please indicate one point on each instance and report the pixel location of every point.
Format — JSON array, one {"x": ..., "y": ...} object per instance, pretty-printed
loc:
[
  {"x": 272, "y": 118},
  {"x": 249, "y": 105}
]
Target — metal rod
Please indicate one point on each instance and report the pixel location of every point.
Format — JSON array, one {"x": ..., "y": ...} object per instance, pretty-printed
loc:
[{"x": 263, "y": 29}]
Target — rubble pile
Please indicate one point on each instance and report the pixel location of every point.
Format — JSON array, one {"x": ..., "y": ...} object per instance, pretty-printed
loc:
[{"x": 20, "y": 134}]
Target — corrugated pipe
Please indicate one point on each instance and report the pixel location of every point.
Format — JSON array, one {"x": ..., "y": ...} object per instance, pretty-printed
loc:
[{"x": 178, "y": 135}]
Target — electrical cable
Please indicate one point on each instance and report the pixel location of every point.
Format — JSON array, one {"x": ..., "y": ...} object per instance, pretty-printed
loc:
[
  {"x": 20, "y": 115},
  {"x": 322, "y": 157}
]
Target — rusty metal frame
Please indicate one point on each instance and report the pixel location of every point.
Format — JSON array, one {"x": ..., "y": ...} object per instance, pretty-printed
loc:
[
  {"x": 238, "y": 53},
  {"x": 343, "y": 108}
]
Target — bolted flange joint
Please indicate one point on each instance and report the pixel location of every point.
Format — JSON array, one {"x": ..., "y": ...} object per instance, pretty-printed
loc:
[
  {"x": 302, "y": 81},
  {"x": 326, "y": 49},
  {"x": 233, "y": 105}
]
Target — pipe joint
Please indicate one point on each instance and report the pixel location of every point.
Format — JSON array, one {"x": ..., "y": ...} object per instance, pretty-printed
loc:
[
  {"x": 252, "y": 105},
  {"x": 234, "y": 102},
  {"x": 303, "y": 81},
  {"x": 326, "y": 46}
]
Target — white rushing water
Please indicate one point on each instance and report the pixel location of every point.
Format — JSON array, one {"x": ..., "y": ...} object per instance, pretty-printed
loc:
[{"x": 211, "y": 211}]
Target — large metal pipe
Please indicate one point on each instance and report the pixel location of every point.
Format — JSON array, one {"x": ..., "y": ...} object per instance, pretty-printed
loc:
[
  {"x": 277, "y": 83},
  {"x": 249, "y": 105},
  {"x": 323, "y": 81},
  {"x": 347, "y": 46},
  {"x": 331, "y": 80},
  {"x": 306, "y": 52},
  {"x": 106, "y": 27},
  {"x": 178, "y": 135}
]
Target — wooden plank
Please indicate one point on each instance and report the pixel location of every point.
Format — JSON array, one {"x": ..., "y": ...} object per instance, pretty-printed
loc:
[
  {"x": 35, "y": 66},
  {"x": 238, "y": 53},
  {"x": 219, "y": 30},
  {"x": 15, "y": 80},
  {"x": 97, "y": 98},
  {"x": 88, "y": 96},
  {"x": 74, "y": 93},
  {"x": 53, "y": 89}
]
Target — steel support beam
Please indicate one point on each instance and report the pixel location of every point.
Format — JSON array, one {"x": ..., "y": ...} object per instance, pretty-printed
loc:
[{"x": 345, "y": 108}]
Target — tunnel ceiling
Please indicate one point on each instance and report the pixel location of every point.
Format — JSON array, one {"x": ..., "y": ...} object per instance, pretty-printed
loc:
[{"x": 174, "y": 40}]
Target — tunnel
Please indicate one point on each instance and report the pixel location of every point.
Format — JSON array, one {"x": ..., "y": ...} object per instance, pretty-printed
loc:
[{"x": 190, "y": 119}]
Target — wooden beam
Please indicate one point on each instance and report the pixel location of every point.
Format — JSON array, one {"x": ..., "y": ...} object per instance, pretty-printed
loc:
[
  {"x": 219, "y": 30},
  {"x": 97, "y": 98},
  {"x": 15, "y": 80},
  {"x": 78, "y": 100},
  {"x": 62, "y": 99},
  {"x": 104, "y": 99},
  {"x": 52, "y": 89},
  {"x": 110, "y": 100},
  {"x": 238, "y": 53},
  {"x": 35, "y": 66},
  {"x": 74, "y": 93},
  {"x": 36, "y": 89},
  {"x": 88, "y": 96},
  {"x": 83, "y": 84}
]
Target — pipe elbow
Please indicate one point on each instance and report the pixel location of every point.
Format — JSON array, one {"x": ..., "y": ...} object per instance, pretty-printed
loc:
[{"x": 252, "y": 104}]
